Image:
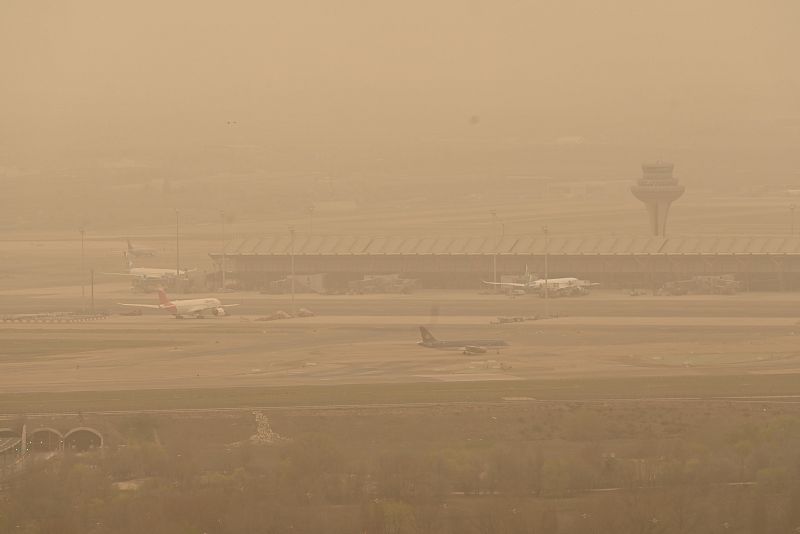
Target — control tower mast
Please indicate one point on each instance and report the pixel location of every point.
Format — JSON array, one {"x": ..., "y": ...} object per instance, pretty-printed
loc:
[{"x": 657, "y": 188}]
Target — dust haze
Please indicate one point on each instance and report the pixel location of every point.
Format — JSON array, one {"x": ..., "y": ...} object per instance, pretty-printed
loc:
[{"x": 474, "y": 267}]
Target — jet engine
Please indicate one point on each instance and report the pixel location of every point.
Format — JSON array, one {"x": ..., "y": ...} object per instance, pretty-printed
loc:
[{"x": 219, "y": 312}]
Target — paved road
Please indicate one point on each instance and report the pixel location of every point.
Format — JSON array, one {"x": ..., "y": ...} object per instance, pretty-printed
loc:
[{"x": 755, "y": 399}]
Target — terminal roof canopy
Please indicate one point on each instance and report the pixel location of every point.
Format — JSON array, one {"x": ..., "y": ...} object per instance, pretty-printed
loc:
[{"x": 532, "y": 245}]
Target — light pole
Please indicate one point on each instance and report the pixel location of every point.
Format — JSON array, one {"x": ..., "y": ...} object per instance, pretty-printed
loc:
[
  {"x": 177, "y": 244},
  {"x": 222, "y": 214},
  {"x": 83, "y": 269},
  {"x": 291, "y": 267},
  {"x": 497, "y": 247},
  {"x": 500, "y": 243},
  {"x": 792, "y": 207},
  {"x": 546, "y": 272}
]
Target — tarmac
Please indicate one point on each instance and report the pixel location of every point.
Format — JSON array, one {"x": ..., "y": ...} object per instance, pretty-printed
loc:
[{"x": 372, "y": 339}]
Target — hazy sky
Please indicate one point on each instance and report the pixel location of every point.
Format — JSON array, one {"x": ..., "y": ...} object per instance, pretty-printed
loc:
[{"x": 146, "y": 73}]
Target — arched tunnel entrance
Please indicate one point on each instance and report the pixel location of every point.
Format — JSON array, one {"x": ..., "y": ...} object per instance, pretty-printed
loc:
[
  {"x": 82, "y": 439},
  {"x": 44, "y": 440}
]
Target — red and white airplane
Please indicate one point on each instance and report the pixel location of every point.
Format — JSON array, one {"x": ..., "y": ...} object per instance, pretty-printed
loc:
[{"x": 181, "y": 308}]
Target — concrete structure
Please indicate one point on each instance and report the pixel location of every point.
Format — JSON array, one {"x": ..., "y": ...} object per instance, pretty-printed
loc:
[
  {"x": 48, "y": 439},
  {"x": 18, "y": 444},
  {"x": 10, "y": 444},
  {"x": 82, "y": 439},
  {"x": 45, "y": 440},
  {"x": 11, "y": 449},
  {"x": 658, "y": 189},
  {"x": 760, "y": 262}
]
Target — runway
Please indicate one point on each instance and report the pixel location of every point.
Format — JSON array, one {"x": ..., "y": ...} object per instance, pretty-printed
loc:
[{"x": 160, "y": 352}]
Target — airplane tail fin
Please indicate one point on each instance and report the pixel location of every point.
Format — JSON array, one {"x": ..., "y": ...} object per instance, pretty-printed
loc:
[
  {"x": 427, "y": 337},
  {"x": 128, "y": 259},
  {"x": 129, "y": 245},
  {"x": 163, "y": 299}
]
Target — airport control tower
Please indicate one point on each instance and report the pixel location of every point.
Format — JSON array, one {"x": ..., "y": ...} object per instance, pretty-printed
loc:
[{"x": 657, "y": 189}]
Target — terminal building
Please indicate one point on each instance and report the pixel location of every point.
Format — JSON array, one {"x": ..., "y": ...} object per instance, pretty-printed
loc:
[{"x": 760, "y": 262}]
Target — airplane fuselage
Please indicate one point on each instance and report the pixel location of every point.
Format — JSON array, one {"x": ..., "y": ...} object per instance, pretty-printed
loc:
[
  {"x": 154, "y": 273},
  {"x": 554, "y": 286},
  {"x": 467, "y": 346},
  {"x": 141, "y": 253},
  {"x": 557, "y": 283},
  {"x": 135, "y": 252},
  {"x": 460, "y": 344},
  {"x": 185, "y": 307},
  {"x": 192, "y": 306}
]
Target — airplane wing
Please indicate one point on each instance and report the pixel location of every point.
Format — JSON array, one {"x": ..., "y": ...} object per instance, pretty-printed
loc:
[
  {"x": 512, "y": 284},
  {"x": 204, "y": 307},
  {"x": 145, "y": 276},
  {"x": 153, "y": 275},
  {"x": 153, "y": 306}
]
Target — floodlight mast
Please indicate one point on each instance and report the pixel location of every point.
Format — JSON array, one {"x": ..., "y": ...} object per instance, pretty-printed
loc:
[
  {"x": 291, "y": 267},
  {"x": 546, "y": 271}
]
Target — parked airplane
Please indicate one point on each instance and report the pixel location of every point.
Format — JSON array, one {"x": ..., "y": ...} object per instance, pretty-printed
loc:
[
  {"x": 556, "y": 287},
  {"x": 150, "y": 273},
  {"x": 136, "y": 252},
  {"x": 466, "y": 346},
  {"x": 181, "y": 308}
]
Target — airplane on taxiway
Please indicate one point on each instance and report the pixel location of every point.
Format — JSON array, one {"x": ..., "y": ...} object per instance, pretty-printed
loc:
[
  {"x": 186, "y": 307},
  {"x": 466, "y": 346}
]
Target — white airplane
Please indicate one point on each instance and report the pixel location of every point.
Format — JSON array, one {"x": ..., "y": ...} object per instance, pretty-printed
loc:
[
  {"x": 181, "y": 308},
  {"x": 135, "y": 251},
  {"x": 556, "y": 287},
  {"x": 150, "y": 273}
]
